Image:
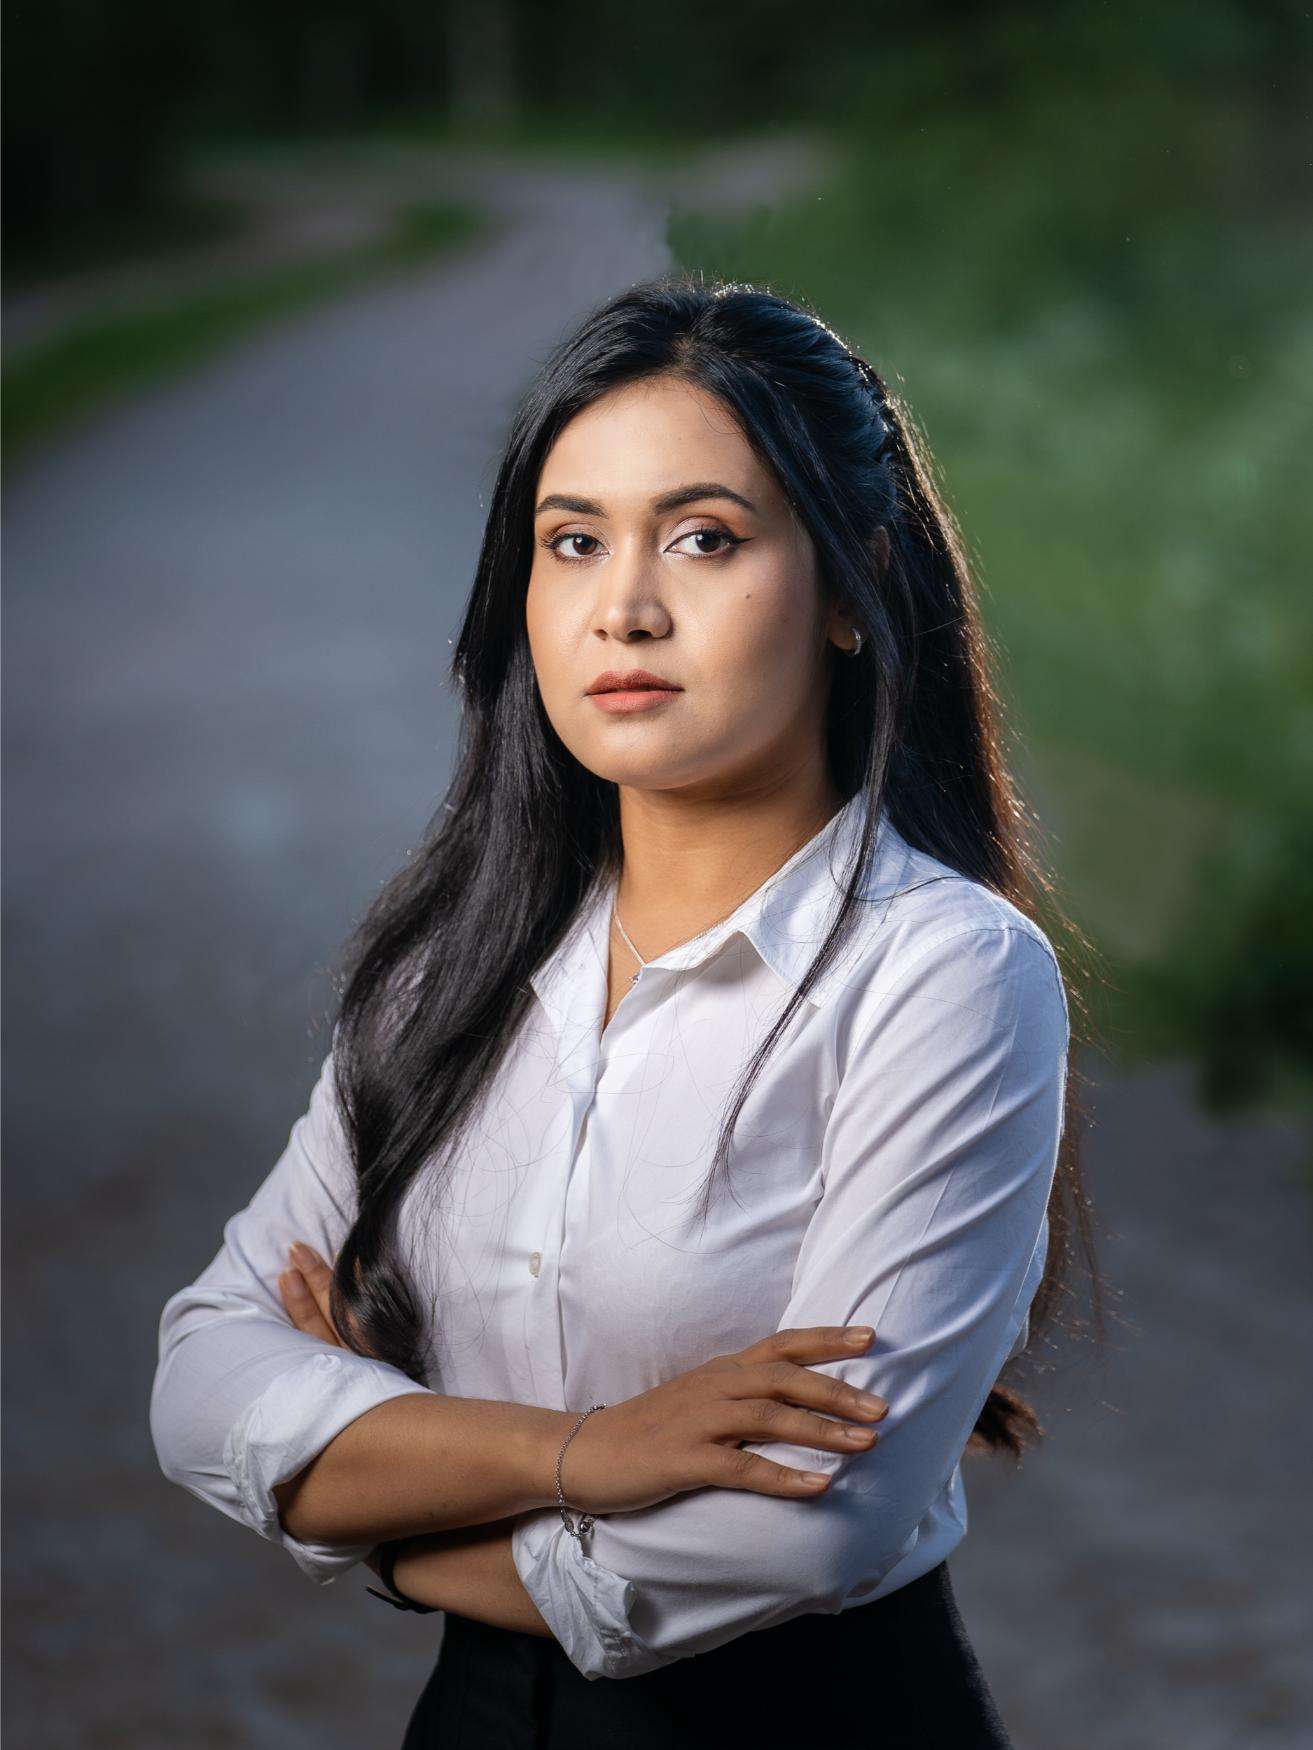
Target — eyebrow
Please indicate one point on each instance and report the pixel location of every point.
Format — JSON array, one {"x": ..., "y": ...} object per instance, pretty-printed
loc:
[{"x": 667, "y": 501}]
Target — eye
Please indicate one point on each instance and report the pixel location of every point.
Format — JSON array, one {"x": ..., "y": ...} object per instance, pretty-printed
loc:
[
  {"x": 554, "y": 543},
  {"x": 715, "y": 535}
]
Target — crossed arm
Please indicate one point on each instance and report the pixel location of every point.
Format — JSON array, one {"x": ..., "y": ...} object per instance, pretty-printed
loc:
[
  {"x": 471, "y": 1572},
  {"x": 938, "y": 1158},
  {"x": 468, "y": 1569}
]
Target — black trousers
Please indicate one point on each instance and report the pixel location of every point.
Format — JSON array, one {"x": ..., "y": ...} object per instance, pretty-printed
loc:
[{"x": 894, "y": 1674}]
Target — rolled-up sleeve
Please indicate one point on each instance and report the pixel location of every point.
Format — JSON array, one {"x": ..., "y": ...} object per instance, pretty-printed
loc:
[
  {"x": 243, "y": 1400},
  {"x": 938, "y": 1160}
]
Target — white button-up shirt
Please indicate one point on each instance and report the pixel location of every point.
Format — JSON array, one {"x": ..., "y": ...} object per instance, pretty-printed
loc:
[{"x": 891, "y": 1167}]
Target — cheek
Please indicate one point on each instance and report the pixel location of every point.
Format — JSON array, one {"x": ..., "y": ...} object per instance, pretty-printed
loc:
[
  {"x": 555, "y": 643},
  {"x": 545, "y": 625},
  {"x": 759, "y": 643}
]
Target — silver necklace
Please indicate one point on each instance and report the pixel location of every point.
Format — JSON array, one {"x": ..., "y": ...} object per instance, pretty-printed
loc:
[
  {"x": 629, "y": 940},
  {"x": 765, "y": 888},
  {"x": 615, "y": 918}
]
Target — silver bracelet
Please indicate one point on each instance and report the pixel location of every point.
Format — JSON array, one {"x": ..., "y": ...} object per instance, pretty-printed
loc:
[{"x": 586, "y": 1522}]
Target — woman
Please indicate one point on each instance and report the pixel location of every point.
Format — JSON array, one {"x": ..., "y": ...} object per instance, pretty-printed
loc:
[{"x": 709, "y": 1024}]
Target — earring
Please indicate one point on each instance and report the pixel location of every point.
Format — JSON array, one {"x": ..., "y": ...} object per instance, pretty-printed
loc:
[{"x": 857, "y": 648}]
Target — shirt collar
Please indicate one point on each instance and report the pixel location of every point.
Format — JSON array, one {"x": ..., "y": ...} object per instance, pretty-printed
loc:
[{"x": 785, "y": 919}]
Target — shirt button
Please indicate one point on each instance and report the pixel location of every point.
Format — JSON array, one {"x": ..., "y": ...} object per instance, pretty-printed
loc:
[{"x": 535, "y": 1262}]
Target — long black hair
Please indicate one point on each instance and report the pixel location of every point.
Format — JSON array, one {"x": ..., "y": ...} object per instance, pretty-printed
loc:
[{"x": 434, "y": 983}]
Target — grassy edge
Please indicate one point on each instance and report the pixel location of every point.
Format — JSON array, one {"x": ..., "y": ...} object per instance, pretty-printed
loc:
[{"x": 98, "y": 360}]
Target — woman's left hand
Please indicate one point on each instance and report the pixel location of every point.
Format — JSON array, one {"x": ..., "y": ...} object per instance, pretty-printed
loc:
[{"x": 304, "y": 1288}]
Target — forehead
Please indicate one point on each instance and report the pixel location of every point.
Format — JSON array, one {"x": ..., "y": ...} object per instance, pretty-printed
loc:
[{"x": 645, "y": 438}]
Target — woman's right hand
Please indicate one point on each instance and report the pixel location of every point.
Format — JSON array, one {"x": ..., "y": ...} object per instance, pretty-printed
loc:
[{"x": 688, "y": 1432}]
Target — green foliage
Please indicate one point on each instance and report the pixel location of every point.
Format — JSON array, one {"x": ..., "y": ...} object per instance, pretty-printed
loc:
[
  {"x": 1080, "y": 247},
  {"x": 1236, "y": 979}
]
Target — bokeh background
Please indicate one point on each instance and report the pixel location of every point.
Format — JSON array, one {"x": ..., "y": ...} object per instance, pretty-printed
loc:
[{"x": 275, "y": 279}]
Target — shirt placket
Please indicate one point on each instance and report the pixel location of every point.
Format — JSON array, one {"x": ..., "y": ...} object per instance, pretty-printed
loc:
[
  {"x": 582, "y": 1065},
  {"x": 577, "y": 1009},
  {"x": 577, "y": 1005}
]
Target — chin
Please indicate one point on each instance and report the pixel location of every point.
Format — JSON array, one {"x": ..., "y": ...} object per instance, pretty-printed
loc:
[{"x": 641, "y": 774}]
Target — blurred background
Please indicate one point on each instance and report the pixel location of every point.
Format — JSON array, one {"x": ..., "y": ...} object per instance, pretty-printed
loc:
[{"x": 276, "y": 277}]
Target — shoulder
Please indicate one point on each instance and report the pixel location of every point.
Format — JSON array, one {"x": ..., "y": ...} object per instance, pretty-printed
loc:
[{"x": 924, "y": 930}]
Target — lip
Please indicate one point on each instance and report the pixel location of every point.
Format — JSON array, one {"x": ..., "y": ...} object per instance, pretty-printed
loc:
[
  {"x": 635, "y": 680},
  {"x": 623, "y": 701},
  {"x": 623, "y": 694}
]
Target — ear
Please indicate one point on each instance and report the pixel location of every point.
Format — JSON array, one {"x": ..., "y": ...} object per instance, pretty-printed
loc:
[
  {"x": 839, "y": 628},
  {"x": 839, "y": 625},
  {"x": 880, "y": 548}
]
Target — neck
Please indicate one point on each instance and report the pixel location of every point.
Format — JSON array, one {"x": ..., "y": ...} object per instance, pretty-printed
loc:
[{"x": 688, "y": 863}]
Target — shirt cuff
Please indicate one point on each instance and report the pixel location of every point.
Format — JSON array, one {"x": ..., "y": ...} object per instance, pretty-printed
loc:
[
  {"x": 585, "y": 1605},
  {"x": 289, "y": 1424}
]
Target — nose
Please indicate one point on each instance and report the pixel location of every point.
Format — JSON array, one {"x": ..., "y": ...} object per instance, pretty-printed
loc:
[{"x": 629, "y": 598}]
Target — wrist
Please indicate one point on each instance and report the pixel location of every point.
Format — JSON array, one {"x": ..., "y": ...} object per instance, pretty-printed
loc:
[
  {"x": 585, "y": 1523},
  {"x": 542, "y": 1436},
  {"x": 385, "y": 1559}
]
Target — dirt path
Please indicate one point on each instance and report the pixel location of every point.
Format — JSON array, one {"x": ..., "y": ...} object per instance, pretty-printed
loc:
[
  {"x": 229, "y": 607},
  {"x": 1142, "y": 1583},
  {"x": 300, "y": 204}
]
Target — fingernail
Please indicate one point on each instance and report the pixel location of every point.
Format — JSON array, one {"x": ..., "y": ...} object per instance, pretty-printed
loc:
[
  {"x": 858, "y": 1335},
  {"x": 867, "y": 1401},
  {"x": 303, "y": 1255},
  {"x": 295, "y": 1282},
  {"x": 814, "y": 1478}
]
